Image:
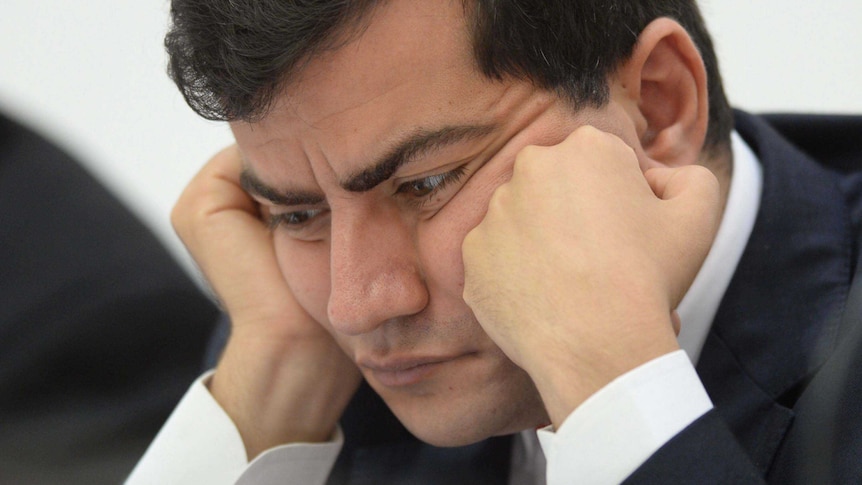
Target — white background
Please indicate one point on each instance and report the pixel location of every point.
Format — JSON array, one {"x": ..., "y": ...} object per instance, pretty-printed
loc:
[{"x": 90, "y": 75}]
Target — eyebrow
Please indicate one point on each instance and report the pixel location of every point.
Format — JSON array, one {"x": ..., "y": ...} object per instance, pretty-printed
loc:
[
  {"x": 409, "y": 149},
  {"x": 253, "y": 185}
]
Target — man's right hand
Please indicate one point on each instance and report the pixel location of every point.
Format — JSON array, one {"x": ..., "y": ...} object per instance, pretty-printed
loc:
[{"x": 282, "y": 378}]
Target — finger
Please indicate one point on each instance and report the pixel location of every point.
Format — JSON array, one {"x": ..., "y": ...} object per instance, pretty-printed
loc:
[
  {"x": 228, "y": 158},
  {"x": 694, "y": 192},
  {"x": 675, "y": 322},
  {"x": 216, "y": 188},
  {"x": 690, "y": 181},
  {"x": 221, "y": 177}
]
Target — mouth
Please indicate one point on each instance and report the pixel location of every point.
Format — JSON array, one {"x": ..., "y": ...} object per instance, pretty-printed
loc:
[{"x": 404, "y": 372}]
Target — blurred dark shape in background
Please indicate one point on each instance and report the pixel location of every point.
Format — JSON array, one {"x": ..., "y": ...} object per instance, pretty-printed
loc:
[{"x": 101, "y": 331}]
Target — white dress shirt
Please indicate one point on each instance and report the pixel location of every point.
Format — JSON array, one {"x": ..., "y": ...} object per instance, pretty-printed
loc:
[
  {"x": 602, "y": 441},
  {"x": 617, "y": 429}
]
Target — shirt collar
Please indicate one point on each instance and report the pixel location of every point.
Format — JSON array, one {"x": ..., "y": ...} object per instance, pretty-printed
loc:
[{"x": 698, "y": 307}]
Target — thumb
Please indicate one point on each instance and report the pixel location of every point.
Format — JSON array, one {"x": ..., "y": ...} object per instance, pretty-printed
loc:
[{"x": 690, "y": 181}]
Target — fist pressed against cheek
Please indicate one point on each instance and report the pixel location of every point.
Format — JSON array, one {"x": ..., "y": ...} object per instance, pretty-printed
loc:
[{"x": 581, "y": 259}]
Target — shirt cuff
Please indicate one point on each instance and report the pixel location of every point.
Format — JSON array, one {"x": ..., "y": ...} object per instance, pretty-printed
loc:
[
  {"x": 617, "y": 429},
  {"x": 294, "y": 464},
  {"x": 199, "y": 443}
]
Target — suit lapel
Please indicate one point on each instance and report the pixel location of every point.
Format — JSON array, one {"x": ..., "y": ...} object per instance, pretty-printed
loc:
[{"x": 783, "y": 306}]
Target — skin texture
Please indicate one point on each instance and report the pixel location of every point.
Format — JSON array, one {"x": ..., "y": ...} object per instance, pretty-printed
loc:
[
  {"x": 363, "y": 271},
  {"x": 622, "y": 272}
]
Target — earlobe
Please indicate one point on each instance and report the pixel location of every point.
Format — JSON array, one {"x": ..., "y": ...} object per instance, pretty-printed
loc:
[{"x": 664, "y": 83}]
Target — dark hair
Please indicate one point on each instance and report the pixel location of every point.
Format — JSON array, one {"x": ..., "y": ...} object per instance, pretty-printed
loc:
[{"x": 231, "y": 57}]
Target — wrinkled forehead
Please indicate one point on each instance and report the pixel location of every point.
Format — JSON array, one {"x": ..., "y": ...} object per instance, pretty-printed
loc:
[
  {"x": 400, "y": 43},
  {"x": 411, "y": 68}
]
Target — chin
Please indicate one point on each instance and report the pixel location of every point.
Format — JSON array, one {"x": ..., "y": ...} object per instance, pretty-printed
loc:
[
  {"x": 447, "y": 440},
  {"x": 462, "y": 422},
  {"x": 452, "y": 436}
]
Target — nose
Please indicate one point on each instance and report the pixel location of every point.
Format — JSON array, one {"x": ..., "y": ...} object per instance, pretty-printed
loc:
[{"x": 375, "y": 272}]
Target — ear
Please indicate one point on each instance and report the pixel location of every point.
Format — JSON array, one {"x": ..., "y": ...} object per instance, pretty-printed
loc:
[{"x": 663, "y": 88}]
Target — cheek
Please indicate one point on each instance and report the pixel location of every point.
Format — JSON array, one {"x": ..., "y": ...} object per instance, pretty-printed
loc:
[
  {"x": 443, "y": 235},
  {"x": 305, "y": 267}
]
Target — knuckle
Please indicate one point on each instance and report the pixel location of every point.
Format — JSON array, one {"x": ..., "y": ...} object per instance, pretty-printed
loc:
[
  {"x": 187, "y": 210},
  {"x": 179, "y": 215},
  {"x": 470, "y": 242},
  {"x": 586, "y": 134},
  {"x": 527, "y": 157},
  {"x": 704, "y": 176},
  {"x": 589, "y": 135},
  {"x": 702, "y": 180},
  {"x": 498, "y": 201},
  {"x": 469, "y": 293}
]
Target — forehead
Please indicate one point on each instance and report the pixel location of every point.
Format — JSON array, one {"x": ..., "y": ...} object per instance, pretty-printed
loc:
[
  {"x": 411, "y": 67},
  {"x": 401, "y": 42}
]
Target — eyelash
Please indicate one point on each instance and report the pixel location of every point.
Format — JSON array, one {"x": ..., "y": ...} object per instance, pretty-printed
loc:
[
  {"x": 276, "y": 220},
  {"x": 441, "y": 181}
]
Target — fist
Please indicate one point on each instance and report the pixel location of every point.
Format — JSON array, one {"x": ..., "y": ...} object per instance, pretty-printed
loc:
[{"x": 582, "y": 258}]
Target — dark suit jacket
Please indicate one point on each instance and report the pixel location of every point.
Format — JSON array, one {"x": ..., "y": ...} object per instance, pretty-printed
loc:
[
  {"x": 778, "y": 362},
  {"x": 783, "y": 337},
  {"x": 100, "y": 330}
]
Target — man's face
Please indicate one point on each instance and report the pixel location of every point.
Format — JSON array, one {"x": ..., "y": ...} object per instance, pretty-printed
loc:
[{"x": 381, "y": 157}]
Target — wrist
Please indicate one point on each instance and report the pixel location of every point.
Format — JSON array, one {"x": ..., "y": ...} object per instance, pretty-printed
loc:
[
  {"x": 565, "y": 380},
  {"x": 278, "y": 394}
]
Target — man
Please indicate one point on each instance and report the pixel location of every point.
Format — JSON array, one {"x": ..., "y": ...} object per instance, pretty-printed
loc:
[{"x": 374, "y": 136}]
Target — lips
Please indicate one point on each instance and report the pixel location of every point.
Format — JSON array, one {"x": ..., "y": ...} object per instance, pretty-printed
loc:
[{"x": 404, "y": 372}]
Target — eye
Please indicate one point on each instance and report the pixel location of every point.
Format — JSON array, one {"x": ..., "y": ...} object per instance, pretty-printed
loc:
[
  {"x": 427, "y": 187},
  {"x": 296, "y": 222}
]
